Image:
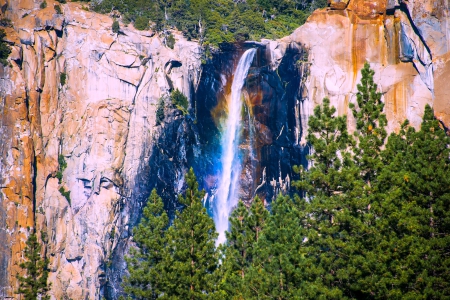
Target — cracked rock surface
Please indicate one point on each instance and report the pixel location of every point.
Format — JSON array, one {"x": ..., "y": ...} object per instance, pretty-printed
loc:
[
  {"x": 407, "y": 43},
  {"x": 75, "y": 93}
]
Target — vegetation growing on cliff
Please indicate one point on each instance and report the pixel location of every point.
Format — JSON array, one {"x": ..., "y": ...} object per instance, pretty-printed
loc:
[
  {"x": 62, "y": 166},
  {"x": 160, "y": 116},
  {"x": 5, "y": 50},
  {"x": 180, "y": 101},
  {"x": 5, "y": 22},
  {"x": 62, "y": 81},
  {"x": 215, "y": 22},
  {"x": 43, "y": 4},
  {"x": 59, "y": 174},
  {"x": 115, "y": 26},
  {"x": 58, "y": 9},
  {"x": 34, "y": 284},
  {"x": 371, "y": 220},
  {"x": 170, "y": 41}
]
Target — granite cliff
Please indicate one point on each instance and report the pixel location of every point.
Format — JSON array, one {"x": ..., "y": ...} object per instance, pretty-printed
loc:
[
  {"x": 77, "y": 92},
  {"x": 406, "y": 43}
]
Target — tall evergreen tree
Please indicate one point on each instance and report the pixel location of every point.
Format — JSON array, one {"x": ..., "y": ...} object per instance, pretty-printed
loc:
[
  {"x": 240, "y": 250},
  {"x": 145, "y": 264},
  {"x": 191, "y": 255},
  {"x": 5, "y": 49},
  {"x": 236, "y": 252},
  {"x": 330, "y": 142},
  {"x": 258, "y": 218},
  {"x": 414, "y": 205},
  {"x": 370, "y": 125},
  {"x": 372, "y": 221},
  {"x": 34, "y": 284},
  {"x": 277, "y": 270},
  {"x": 337, "y": 212}
]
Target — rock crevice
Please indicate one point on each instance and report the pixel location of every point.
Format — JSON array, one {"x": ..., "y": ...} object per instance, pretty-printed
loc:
[{"x": 74, "y": 89}]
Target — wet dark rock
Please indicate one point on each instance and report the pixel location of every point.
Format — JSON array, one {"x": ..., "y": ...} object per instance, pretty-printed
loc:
[
  {"x": 268, "y": 144},
  {"x": 268, "y": 139}
]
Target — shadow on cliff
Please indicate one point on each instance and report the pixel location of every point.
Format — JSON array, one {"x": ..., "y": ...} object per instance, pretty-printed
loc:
[{"x": 270, "y": 139}]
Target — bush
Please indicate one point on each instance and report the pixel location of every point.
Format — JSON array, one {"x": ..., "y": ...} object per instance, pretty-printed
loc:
[
  {"x": 65, "y": 193},
  {"x": 141, "y": 23},
  {"x": 5, "y": 50},
  {"x": 43, "y": 5},
  {"x": 62, "y": 80},
  {"x": 59, "y": 176},
  {"x": 62, "y": 162},
  {"x": 115, "y": 26},
  {"x": 62, "y": 166},
  {"x": 58, "y": 9},
  {"x": 180, "y": 101},
  {"x": 5, "y": 22},
  {"x": 160, "y": 111},
  {"x": 171, "y": 41},
  {"x": 62, "y": 1}
]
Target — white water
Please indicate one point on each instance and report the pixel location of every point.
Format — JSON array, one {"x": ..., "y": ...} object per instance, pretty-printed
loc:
[{"x": 226, "y": 197}]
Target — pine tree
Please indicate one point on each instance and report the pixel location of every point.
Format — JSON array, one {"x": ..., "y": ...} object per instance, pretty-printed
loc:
[
  {"x": 370, "y": 125},
  {"x": 236, "y": 252},
  {"x": 115, "y": 26},
  {"x": 191, "y": 255},
  {"x": 5, "y": 50},
  {"x": 145, "y": 264},
  {"x": 432, "y": 150},
  {"x": 257, "y": 219},
  {"x": 240, "y": 250},
  {"x": 277, "y": 270},
  {"x": 414, "y": 205},
  {"x": 330, "y": 141},
  {"x": 337, "y": 216},
  {"x": 34, "y": 284}
]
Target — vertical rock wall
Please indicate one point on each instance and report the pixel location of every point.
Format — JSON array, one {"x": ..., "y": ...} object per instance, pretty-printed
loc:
[
  {"x": 406, "y": 43},
  {"x": 77, "y": 91},
  {"x": 269, "y": 146}
]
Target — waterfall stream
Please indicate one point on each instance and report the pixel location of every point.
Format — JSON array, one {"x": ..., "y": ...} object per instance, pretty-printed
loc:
[{"x": 226, "y": 197}]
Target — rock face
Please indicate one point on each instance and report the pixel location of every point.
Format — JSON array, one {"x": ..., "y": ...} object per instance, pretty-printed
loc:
[
  {"x": 268, "y": 148},
  {"x": 405, "y": 42},
  {"x": 76, "y": 92}
]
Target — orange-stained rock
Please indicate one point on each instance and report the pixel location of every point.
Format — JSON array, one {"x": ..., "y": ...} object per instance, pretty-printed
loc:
[
  {"x": 338, "y": 4},
  {"x": 409, "y": 68},
  {"x": 442, "y": 90},
  {"x": 367, "y": 8},
  {"x": 102, "y": 117},
  {"x": 99, "y": 119},
  {"x": 11, "y": 36},
  {"x": 26, "y": 4}
]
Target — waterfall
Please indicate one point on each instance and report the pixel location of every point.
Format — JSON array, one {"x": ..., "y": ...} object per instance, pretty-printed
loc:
[{"x": 226, "y": 197}]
